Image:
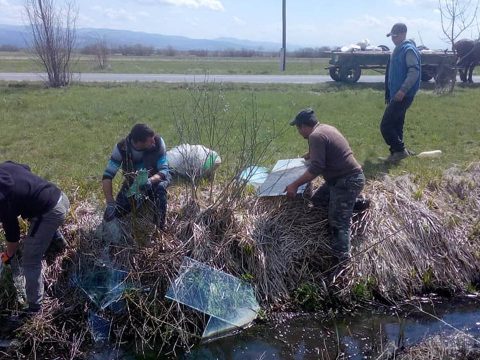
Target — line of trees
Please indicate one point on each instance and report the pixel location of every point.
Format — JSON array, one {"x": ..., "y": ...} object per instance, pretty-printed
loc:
[
  {"x": 10, "y": 48},
  {"x": 142, "y": 50},
  {"x": 102, "y": 50}
]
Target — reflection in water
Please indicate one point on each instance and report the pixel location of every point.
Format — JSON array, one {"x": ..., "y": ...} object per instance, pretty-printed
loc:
[{"x": 365, "y": 335}]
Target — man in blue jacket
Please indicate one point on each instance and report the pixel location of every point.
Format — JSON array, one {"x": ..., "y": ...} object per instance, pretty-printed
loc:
[
  {"x": 142, "y": 149},
  {"x": 402, "y": 82}
]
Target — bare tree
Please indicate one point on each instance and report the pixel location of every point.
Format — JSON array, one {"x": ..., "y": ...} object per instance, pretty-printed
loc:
[
  {"x": 457, "y": 16},
  {"x": 53, "y": 37},
  {"x": 102, "y": 53}
]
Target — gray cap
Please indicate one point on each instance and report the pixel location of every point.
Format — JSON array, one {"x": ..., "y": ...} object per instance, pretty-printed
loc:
[
  {"x": 397, "y": 29},
  {"x": 303, "y": 116}
]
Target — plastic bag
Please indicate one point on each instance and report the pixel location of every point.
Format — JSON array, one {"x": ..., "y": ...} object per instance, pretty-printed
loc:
[{"x": 193, "y": 161}]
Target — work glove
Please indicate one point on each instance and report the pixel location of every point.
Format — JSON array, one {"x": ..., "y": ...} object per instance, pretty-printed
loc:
[
  {"x": 148, "y": 186},
  {"x": 110, "y": 211},
  {"x": 6, "y": 260}
]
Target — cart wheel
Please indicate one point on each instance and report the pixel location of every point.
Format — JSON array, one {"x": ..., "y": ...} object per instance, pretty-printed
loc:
[
  {"x": 428, "y": 72},
  {"x": 384, "y": 47},
  {"x": 426, "y": 77},
  {"x": 350, "y": 74},
  {"x": 445, "y": 79},
  {"x": 335, "y": 73}
]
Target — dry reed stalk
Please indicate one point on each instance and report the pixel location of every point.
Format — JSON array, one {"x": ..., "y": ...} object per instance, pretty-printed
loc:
[
  {"x": 456, "y": 347},
  {"x": 423, "y": 249},
  {"x": 410, "y": 241}
]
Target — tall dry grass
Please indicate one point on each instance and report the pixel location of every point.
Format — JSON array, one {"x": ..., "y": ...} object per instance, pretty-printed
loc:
[{"x": 412, "y": 240}]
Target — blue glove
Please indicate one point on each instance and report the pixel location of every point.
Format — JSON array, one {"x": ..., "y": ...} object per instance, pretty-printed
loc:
[
  {"x": 110, "y": 211},
  {"x": 148, "y": 186}
]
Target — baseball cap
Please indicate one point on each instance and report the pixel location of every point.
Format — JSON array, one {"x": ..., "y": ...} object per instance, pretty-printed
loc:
[
  {"x": 398, "y": 28},
  {"x": 304, "y": 116}
]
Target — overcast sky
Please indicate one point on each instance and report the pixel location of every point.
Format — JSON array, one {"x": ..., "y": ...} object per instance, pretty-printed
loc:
[{"x": 309, "y": 22}]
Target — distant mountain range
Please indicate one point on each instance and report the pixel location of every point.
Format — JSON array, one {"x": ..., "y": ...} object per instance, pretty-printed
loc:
[{"x": 19, "y": 36}]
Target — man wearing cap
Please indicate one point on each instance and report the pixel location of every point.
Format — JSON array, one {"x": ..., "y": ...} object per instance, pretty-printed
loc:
[
  {"x": 142, "y": 149},
  {"x": 24, "y": 194},
  {"x": 402, "y": 81},
  {"x": 330, "y": 156}
]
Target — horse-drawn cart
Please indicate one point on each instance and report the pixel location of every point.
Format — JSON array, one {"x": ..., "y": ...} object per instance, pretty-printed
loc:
[{"x": 347, "y": 66}]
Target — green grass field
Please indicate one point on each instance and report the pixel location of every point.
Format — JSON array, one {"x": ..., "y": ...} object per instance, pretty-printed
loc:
[
  {"x": 20, "y": 62},
  {"x": 67, "y": 134}
]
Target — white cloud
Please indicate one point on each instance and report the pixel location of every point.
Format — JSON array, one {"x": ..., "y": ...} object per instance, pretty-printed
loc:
[
  {"x": 422, "y": 3},
  {"x": 215, "y": 5},
  {"x": 366, "y": 21},
  {"x": 144, "y": 14},
  {"x": 415, "y": 23},
  {"x": 115, "y": 14},
  {"x": 238, "y": 21},
  {"x": 404, "y": 2},
  {"x": 10, "y": 14}
]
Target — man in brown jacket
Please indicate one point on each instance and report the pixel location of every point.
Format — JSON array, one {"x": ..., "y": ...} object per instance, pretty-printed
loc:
[{"x": 330, "y": 156}]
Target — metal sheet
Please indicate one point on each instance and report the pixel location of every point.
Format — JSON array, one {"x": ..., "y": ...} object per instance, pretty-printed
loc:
[{"x": 283, "y": 174}]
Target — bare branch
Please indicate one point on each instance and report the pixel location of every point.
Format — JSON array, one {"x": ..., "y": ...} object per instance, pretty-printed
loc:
[
  {"x": 53, "y": 37},
  {"x": 456, "y": 17}
]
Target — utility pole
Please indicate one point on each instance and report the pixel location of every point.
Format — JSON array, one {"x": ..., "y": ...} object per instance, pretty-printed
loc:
[{"x": 283, "y": 51}]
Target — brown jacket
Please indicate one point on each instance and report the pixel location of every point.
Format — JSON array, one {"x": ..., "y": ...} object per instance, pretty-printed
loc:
[{"x": 330, "y": 153}]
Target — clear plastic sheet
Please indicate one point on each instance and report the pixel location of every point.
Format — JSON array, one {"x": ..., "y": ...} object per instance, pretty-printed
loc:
[{"x": 229, "y": 301}]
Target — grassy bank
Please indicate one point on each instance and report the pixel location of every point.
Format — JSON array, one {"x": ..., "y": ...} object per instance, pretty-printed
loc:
[{"x": 67, "y": 134}]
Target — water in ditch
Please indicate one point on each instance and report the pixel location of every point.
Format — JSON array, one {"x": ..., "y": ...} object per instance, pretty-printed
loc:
[{"x": 361, "y": 335}]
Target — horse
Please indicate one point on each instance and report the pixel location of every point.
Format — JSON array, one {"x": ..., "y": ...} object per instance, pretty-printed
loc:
[{"x": 468, "y": 56}]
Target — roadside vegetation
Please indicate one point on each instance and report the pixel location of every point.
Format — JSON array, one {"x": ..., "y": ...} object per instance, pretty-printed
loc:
[
  {"x": 155, "y": 64},
  {"x": 181, "y": 64}
]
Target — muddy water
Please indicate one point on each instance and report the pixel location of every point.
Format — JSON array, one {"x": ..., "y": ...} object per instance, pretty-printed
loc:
[{"x": 362, "y": 335}]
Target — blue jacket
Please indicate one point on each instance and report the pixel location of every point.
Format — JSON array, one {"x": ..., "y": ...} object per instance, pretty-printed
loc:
[
  {"x": 397, "y": 69},
  {"x": 130, "y": 160}
]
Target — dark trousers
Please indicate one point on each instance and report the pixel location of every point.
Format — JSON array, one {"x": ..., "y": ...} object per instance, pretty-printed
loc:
[
  {"x": 158, "y": 195},
  {"x": 35, "y": 244},
  {"x": 339, "y": 197},
  {"x": 392, "y": 123}
]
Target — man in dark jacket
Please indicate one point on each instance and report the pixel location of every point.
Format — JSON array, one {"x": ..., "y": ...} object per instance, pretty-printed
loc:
[
  {"x": 141, "y": 150},
  {"x": 331, "y": 157},
  {"x": 402, "y": 82},
  {"x": 24, "y": 194}
]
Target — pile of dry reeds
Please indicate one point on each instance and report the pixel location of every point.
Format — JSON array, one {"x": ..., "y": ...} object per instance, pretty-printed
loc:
[
  {"x": 411, "y": 240},
  {"x": 415, "y": 240},
  {"x": 456, "y": 347}
]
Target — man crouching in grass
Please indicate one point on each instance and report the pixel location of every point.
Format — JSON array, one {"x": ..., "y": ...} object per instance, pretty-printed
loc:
[
  {"x": 25, "y": 194},
  {"x": 142, "y": 149},
  {"x": 330, "y": 156}
]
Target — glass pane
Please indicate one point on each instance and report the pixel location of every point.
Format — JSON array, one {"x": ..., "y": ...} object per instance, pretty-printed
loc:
[
  {"x": 103, "y": 286},
  {"x": 214, "y": 293}
]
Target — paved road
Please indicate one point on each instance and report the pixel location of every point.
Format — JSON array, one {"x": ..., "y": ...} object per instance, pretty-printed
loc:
[{"x": 181, "y": 78}]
